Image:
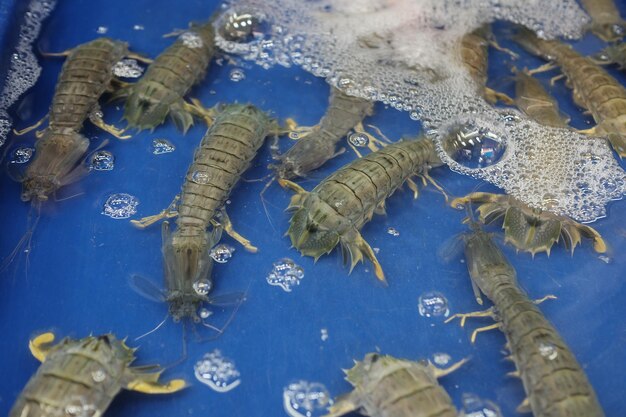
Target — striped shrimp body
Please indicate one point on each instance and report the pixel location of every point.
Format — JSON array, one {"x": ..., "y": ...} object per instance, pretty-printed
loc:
[
  {"x": 225, "y": 153},
  {"x": 529, "y": 229},
  {"x": 554, "y": 381},
  {"x": 334, "y": 211},
  {"x": 161, "y": 91},
  {"x": 86, "y": 75},
  {"x": 474, "y": 48},
  {"x": 594, "y": 89},
  {"x": 535, "y": 102},
  {"x": 385, "y": 386},
  {"x": 606, "y": 22},
  {"x": 344, "y": 113},
  {"x": 82, "y": 377}
]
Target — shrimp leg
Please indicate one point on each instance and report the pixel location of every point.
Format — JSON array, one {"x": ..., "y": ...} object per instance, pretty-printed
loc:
[
  {"x": 168, "y": 213},
  {"x": 225, "y": 222},
  {"x": 95, "y": 117},
  {"x": 30, "y": 128}
]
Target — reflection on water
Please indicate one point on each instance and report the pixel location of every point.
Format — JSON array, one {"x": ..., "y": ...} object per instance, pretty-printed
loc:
[
  {"x": 285, "y": 274},
  {"x": 306, "y": 399},
  {"x": 21, "y": 155},
  {"x": 433, "y": 304},
  {"x": 120, "y": 206},
  {"x": 102, "y": 161},
  {"x": 217, "y": 372}
]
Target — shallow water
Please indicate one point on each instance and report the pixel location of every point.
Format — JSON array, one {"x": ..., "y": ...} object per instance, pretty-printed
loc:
[{"x": 75, "y": 279}]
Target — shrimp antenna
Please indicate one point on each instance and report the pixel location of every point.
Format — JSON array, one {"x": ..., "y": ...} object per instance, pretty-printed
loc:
[
  {"x": 263, "y": 201},
  {"x": 26, "y": 240},
  {"x": 183, "y": 355},
  {"x": 219, "y": 332},
  {"x": 230, "y": 319},
  {"x": 263, "y": 178},
  {"x": 158, "y": 326},
  {"x": 475, "y": 226},
  {"x": 471, "y": 218}
]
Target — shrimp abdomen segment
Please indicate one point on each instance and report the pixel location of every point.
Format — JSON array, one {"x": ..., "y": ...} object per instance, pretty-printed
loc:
[
  {"x": 555, "y": 383},
  {"x": 169, "y": 78},
  {"x": 344, "y": 113},
  {"x": 385, "y": 386},
  {"x": 408, "y": 392},
  {"x": 316, "y": 148},
  {"x": 367, "y": 182},
  {"x": 224, "y": 154},
  {"x": 594, "y": 89},
  {"x": 85, "y": 76},
  {"x": 606, "y": 21},
  {"x": 335, "y": 210}
]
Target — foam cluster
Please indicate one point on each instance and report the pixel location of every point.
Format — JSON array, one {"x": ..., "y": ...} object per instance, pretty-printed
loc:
[
  {"x": 548, "y": 168},
  {"x": 24, "y": 70},
  {"x": 406, "y": 53}
]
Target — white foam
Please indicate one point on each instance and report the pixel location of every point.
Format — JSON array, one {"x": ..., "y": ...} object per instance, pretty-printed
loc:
[
  {"x": 406, "y": 54},
  {"x": 547, "y": 168},
  {"x": 24, "y": 70}
]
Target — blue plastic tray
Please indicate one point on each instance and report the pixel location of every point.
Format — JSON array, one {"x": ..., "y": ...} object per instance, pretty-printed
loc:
[{"x": 77, "y": 277}]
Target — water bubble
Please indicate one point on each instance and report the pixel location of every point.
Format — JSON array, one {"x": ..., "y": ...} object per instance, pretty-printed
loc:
[
  {"x": 161, "y": 146},
  {"x": 22, "y": 155},
  {"x": 237, "y": 74},
  {"x": 510, "y": 118},
  {"x": 222, "y": 253},
  {"x": 191, "y": 40},
  {"x": 138, "y": 27},
  {"x": 345, "y": 83},
  {"x": 306, "y": 399},
  {"x": 204, "y": 313},
  {"x": 120, "y": 206},
  {"x": 285, "y": 274},
  {"x": 200, "y": 177},
  {"x": 98, "y": 375},
  {"x": 324, "y": 334},
  {"x": 441, "y": 359},
  {"x": 102, "y": 30},
  {"x": 618, "y": 30},
  {"x": 240, "y": 27},
  {"x": 474, "y": 406},
  {"x": 433, "y": 304},
  {"x": 606, "y": 259},
  {"x": 393, "y": 232},
  {"x": 358, "y": 139},
  {"x": 414, "y": 115},
  {"x": 102, "y": 161},
  {"x": 217, "y": 371},
  {"x": 609, "y": 185},
  {"x": 78, "y": 407},
  {"x": 474, "y": 147},
  {"x": 548, "y": 350},
  {"x": 550, "y": 202},
  {"x": 127, "y": 68},
  {"x": 202, "y": 287}
]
